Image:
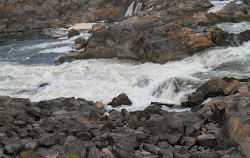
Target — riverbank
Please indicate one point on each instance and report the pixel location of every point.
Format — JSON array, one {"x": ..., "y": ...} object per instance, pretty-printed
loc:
[{"x": 215, "y": 127}]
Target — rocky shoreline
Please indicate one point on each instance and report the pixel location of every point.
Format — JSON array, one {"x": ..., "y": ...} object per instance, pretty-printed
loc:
[
  {"x": 168, "y": 32},
  {"x": 217, "y": 126}
]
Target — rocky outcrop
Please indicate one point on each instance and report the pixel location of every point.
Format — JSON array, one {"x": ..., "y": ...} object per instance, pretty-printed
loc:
[
  {"x": 232, "y": 12},
  {"x": 217, "y": 128},
  {"x": 169, "y": 31},
  {"x": 19, "y": 15}
]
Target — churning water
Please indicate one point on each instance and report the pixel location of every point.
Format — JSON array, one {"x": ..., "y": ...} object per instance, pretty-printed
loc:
[{"x": 29, "y": 69}]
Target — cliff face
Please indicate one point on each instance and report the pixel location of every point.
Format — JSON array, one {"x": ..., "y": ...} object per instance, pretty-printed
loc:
[{"x": 18, "y": 15}]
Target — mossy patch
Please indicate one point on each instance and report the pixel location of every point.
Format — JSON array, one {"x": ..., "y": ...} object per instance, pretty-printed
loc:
[{"x": 69, "y": 156}]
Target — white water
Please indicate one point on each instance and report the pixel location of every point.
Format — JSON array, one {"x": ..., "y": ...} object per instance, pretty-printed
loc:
[
  {"x": 218, "y": 5},
  {"x": 102, "y": 80}
]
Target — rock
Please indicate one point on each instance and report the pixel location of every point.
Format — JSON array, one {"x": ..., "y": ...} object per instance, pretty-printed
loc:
[
  {"x": 98, "y": 27},
  {"x": 74, "y": 145},
  {"x": 208, "y": 140},
  {"x": 244, "y": 147},
  {"x": 107, "y": 153},
  {"x": 55, "y": 36},
  {"x": 206, "y": 154},
  {"x": 122, "y": 99},
  {"x": 123, "y": 150},
  {"x": 164, "y": 145},
  {"x": 189, "y": 141},
  {"x": 213, "y": 87},
  {"x": 68, "y": 57},
  {"x": 31, "y": 146},
  {"x": 12, "y": 148},
  {"x": 165, "y": 154},
  {"x": 151, "y": 148},
  {"x": 246, "y": 2},
  {"x": 34, "y": 111},
  {"x": 94, "y": 153},
  {"x": 245, "y": 36},
  {"x": 129, "y": 139},
  {"x": 36, "y": 14},
  {"x": 72, "y": 33},
  {"x": 80, "y": 43}
]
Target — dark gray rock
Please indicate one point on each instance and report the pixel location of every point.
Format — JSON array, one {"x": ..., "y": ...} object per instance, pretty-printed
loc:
[
  {"x": 151, "y": 148},
  {"x": 74, "y": 145},
  {"x": 73, "y": 32},
  {"x": 207, "y": 140},
  {"x": 206, "y": 154},
  {"x": 165, "y": 153},
  {"x": 164, "y": 145},
  {"x": 94, "y": 153},
  {"x": 12, "y": 149},
  {"x": 123, "y": 150}
]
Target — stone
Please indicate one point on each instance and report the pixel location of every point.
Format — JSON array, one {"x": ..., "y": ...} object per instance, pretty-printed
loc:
[
  {"x": 107, "y": 153},
  {"x": 12, "y": 148},
  {"x": 151, "y": 148},
  {"x": 74, "y": 145},
  {"x": 164, "y": 145},
  {"x": 123, "y": 150},
  {"x": 213, "y": 87},
  {"x": 122, "y": 99},
  {"x": 189, "y": 141},
  {"x": 94, "y": 153},
  {"x": 99, "y": 105},
  {"x": 34, "y": 111},
  {"x": 72, "y": 33},
  {"x": 206, "y": 154},
  {"x": 165, "y": 153},
  {"x": 55, "y": 36},
  {"x": 31, "y": 146},
  {"x": 208, "y": 140}
]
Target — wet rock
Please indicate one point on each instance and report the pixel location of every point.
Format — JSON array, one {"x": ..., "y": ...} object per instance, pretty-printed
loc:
[
  {"x": 80, "y": 43},
  {"x": 55, "y": 36},
  {"x": 207, "y": 140},
  {"x": 213, "y": 87},
  {"x": 122, "y": 99},
  {"x": 73, "y": 32},
  {"x": 74, "y": 145},
  {"x": 43, "y": 85}
]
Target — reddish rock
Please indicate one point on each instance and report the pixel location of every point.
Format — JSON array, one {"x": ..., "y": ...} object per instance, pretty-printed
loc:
[
  {"x": 122, "y": 99},
  {"x": 55, "y": 36}
]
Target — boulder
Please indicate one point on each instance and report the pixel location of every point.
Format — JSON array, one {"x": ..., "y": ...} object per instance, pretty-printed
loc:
[
  {"x": 55, "y": 36},
  {"x": 73, "y": 145},
  {"x": 208, "y": 140},
  {"x": 80, "y": 43},
  {"x": 73, "y": 33},
  {"x": 122, "y": 99}
]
